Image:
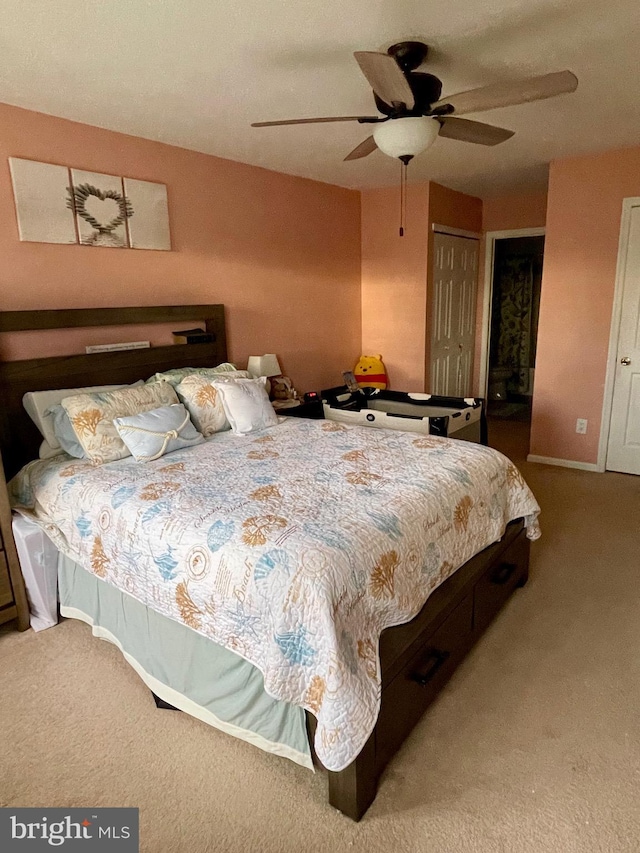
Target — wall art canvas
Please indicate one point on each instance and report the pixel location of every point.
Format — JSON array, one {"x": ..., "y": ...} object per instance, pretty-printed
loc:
[
  {"x": 149, "y": 224},
  {"x": 40, "y": 192},
  {"x": 55, "y": 204},
  {"x": 101, "y": 209}
]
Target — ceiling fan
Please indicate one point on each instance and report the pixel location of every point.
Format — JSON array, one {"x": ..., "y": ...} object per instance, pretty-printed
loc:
[{"x": 414, "y": 113}]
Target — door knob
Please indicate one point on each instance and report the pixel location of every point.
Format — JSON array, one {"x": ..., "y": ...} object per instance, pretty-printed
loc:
[{"x": 626, "y": 361}]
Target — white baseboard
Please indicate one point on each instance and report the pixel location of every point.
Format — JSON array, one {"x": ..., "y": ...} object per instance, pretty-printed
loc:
[{"x": 563, "y": 463}]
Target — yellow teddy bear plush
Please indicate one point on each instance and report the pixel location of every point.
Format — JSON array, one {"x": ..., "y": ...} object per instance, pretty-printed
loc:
[{"x": 370, "y": 372}]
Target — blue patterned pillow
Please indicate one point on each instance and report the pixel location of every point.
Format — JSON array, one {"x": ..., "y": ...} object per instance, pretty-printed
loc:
[
  {"x": 65, "y": 433},
  {"x": 150, "y": 435}
]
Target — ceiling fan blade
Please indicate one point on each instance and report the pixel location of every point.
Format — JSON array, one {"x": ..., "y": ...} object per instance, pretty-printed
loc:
[
  {"x": 385, "y": 77},
  {"x": 509, "y": 94},
  {"x": 472, "y": 131},
  {"x": 315, "y": 120},
  {"x": 368, "y": 146}
]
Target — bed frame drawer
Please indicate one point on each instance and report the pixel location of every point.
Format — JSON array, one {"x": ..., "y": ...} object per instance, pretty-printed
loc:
[
  {"x": 418, "y": 658},
  {"x": 421, "y": 679},
  {"x": 496, "y": 585}
]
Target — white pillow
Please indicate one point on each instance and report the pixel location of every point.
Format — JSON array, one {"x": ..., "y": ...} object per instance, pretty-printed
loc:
[
  {"x": 45, "y": 451},
  {"x": 246, "y": 404},
  {"x": 149, "y": 435},
  {"x": 38, "y": 404}
]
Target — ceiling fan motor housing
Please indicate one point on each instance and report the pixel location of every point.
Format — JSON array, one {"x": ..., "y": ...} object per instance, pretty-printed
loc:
[
  {"x": 409, "y": 54},
  {"x": 426, "y": 89}
]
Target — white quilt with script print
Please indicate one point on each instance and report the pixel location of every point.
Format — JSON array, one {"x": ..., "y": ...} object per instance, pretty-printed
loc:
[{"x": 295, "y": 547}]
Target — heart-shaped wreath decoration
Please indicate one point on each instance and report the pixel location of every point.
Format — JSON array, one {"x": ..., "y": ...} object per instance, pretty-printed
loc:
[{"x": 78, "y": 198}]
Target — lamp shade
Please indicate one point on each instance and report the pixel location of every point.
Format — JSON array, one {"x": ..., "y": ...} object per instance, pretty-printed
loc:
[
  {"x": 406, "y": 137},
  {"x": 264, "y": 365}
]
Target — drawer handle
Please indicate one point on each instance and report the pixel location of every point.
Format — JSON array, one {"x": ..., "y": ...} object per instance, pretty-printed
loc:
[
  {"x": 435, "y": 660},
  {"x": 503, "y": 573}
]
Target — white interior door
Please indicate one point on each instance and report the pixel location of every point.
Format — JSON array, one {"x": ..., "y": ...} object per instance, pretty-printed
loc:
[
  {"x": 623, "y": 452},
  {"x": 453, "y": 330}
]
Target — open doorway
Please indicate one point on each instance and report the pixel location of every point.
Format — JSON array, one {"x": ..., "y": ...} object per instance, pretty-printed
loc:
[{"x": 513, "y": 300}]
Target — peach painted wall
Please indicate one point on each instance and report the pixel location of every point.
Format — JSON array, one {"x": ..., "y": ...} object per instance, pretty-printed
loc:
[
  {"x": 396, "y": 274},
  {"x": 578, "y": 282},
  {"x": 394, "y": 282},
  {"x": 503, "y": 213},
  {"x": 281, "y": 253},
  {"x": 519, "y": 210},
  {"x": 453, "y": 208}
]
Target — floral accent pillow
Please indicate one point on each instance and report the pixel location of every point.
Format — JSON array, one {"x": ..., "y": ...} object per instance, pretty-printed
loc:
[
  {"x": 92, "y": 417},
  {"x": 39, "y": 405},
  {"x": 203, "y": 403}
]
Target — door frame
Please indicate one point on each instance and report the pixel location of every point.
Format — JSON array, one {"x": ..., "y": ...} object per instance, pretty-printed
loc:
[
  {"x": 487, "y": 295},
  {"x": 455, "y": 232},
  {"x": 614, "y": 336}
]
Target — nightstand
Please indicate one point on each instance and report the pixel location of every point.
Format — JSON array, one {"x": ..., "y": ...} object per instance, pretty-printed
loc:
[
  {"x": 305, "y": 410},
  {"x": 13, "y": 598}
]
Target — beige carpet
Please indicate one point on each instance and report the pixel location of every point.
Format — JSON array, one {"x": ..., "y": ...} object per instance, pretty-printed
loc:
[{"x": 534, "y": 746}]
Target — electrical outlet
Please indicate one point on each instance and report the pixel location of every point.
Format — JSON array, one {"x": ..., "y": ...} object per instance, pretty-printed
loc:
[{"x": 581, "y": 426}]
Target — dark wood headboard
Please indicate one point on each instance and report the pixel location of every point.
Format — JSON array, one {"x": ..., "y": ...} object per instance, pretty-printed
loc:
[{"x": 19, "y": 437}]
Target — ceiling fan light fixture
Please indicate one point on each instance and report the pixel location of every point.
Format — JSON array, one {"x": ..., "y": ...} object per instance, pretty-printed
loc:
[{"x": 406, "y": 137}]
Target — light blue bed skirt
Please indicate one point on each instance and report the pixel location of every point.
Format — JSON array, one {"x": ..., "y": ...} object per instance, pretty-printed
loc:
[{"x": 184, "y": 668}]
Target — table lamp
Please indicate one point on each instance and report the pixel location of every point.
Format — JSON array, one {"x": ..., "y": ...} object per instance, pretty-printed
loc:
[{"x": 264, "y": 365}]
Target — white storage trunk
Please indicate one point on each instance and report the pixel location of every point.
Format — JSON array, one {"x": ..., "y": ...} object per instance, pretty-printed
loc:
[
  {"x": 39, "y": 563},
  {"x": 421, "y": 413}
]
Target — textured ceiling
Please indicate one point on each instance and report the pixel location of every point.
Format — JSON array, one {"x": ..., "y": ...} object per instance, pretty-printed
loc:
[{"x": 195, "y": 73}]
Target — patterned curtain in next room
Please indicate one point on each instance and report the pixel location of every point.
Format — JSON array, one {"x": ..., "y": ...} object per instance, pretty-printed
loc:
[{"x": 516, "y": 304}]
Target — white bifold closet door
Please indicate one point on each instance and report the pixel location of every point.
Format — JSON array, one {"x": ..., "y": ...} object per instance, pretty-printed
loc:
[{"x": 453, "y": 311}]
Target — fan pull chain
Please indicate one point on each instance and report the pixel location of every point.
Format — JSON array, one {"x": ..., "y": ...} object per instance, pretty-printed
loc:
[
  {"x": 404, "y": 162},
  {"x": 404, "y": 197},
  {"x": 402, "y": 171}
]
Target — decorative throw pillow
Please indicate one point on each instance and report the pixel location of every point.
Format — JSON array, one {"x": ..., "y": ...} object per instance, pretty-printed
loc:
[
  {"x": 65, "y": 433},
  {"x": 39, "y": 405},
  {"x": 92, "y": 417},
  {"x": 175, "y": 377},
  {"x": 152, "y": 434},
  {"x": 246, "y": 404},
  {"x": 204, "y": 403}
]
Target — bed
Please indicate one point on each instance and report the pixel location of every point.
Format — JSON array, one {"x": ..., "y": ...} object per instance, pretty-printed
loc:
[{"x": 297, "y": 550}]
